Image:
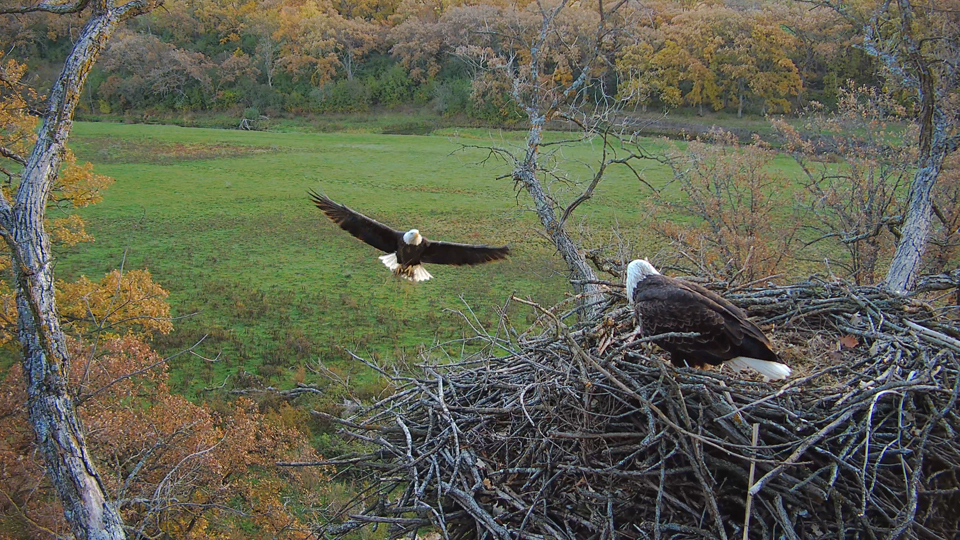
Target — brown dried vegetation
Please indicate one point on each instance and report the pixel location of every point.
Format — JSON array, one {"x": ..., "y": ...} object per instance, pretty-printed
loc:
[{"x": 735, "y": 222}]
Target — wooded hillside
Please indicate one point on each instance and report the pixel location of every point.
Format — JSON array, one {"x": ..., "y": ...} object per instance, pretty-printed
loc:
[{"x": 277, "y": 57}]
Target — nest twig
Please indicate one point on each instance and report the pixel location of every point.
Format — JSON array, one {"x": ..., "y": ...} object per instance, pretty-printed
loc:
[{"x": 583, "y": 432}]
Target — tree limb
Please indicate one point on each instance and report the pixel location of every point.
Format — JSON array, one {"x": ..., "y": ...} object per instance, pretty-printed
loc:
[
  {"x": 588, "y": 193},
  {"x": 10, "y": 154},
  {"x": 938, "y": 282}
]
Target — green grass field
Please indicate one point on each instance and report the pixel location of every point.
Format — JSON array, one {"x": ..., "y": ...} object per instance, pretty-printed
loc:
[{"x": 222, "y": 221}]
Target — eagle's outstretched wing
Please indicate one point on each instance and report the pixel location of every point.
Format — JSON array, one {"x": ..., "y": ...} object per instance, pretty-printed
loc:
[
  {"x": 369, "y": 230},
  {"x": 460, "y": 254}
]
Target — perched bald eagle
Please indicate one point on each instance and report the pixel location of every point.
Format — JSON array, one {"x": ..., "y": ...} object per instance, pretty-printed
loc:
[
  {"x": 664, "y": 304},
  {"x": 405, "y": 250}
]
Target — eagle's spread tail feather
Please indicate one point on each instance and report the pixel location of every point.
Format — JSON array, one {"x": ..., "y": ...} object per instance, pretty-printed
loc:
[
  {"x": 769, "y": 370},
  {"x": 390, "y": 261},
  {"x": 420, "y": 273},
  {"x": 412, "y": 273}
]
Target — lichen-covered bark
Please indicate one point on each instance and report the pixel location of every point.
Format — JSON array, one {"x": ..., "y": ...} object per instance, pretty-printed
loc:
[
  {"x": 539, "y": 107},
  {"x": 895, "y": 33},
  {"x": 45, "y": 360},
  {"x": 905, "y": 266}
]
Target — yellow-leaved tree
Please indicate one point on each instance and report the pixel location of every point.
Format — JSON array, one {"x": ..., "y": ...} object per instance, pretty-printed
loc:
[
  {"x": 76, "y": 186},
  {"x": 17, "y": 125},
  {"x": 713, "y": 55}
]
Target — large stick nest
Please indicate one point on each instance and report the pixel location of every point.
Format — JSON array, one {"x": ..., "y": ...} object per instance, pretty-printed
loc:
[{"x": 584, "y": 432}]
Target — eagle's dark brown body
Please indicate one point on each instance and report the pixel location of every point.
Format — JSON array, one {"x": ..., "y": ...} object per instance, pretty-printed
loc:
[
  {"x": 666, "y": 305},
  {"x": 716, "y": 331}
]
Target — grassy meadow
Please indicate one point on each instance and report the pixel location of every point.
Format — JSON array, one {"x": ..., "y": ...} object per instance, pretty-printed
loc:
[{"x": 222, "y": 221}]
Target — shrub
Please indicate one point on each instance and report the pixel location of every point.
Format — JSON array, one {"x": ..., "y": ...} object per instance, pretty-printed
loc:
[
  {"x": 734, "y": 224},
  {"x": 451, "y": 97},
  {"x": 393, "y": 87},
  {"x": 343, "y": 96}
]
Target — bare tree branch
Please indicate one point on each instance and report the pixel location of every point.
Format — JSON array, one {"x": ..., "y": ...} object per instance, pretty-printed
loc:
[
  {"x": 588, "y": 430},
  {"x": 10, "y": 154}
]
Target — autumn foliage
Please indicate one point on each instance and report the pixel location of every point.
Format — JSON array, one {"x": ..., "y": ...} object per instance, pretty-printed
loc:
[
  {"x": 714, "y": 56},
  {"x": 76, "y": 186},
  {"x": 278, "y": 57},
  {"x": 16, "y": 124},
  {"x": 118, "y": 302},
  {"x": 174, "y": 467}
]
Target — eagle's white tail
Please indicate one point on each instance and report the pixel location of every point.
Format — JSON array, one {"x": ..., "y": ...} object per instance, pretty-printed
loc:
[
  {"x": 420, "y": 273},
  {"x": 412, "y": 273},
  {"x": 390, "y": 261},
  {"x": 769, "y": 370}
]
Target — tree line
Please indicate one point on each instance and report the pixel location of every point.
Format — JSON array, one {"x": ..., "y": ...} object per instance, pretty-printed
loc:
[{"x": 275, "y": 57}]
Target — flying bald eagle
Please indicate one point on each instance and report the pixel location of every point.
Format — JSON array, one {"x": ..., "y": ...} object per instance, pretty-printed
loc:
[
  {"x": 664, "y": 304},
  {"x": 405, "y": 250}
]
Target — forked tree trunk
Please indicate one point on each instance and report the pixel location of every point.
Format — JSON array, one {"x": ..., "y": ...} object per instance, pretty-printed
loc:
[
  {"x": 45, "y": 360},
  {"x": 580, "y": 270}
]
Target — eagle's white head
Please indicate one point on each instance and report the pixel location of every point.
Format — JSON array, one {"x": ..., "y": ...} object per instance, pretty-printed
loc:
[
  {"x": 412, "y": 237},
  {"x": 636, "y": 271}
]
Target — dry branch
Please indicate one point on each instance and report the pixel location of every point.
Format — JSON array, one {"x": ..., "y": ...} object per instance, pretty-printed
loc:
[{"x": 582, "y": 432}]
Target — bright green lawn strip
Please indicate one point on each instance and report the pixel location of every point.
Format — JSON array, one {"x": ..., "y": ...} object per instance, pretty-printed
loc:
[
  {"x": 236, "y": 240},
  {"x": 227, "y": 228}
]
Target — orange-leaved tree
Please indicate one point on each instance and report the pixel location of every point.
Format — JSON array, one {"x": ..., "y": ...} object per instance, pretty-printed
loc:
[
  {"x": 17, "y": 125},
  {"x": 44, "y": 354},
  {"x": 175, "y": 469},
  {"x": 726, "y": 213},
  {"x": 169, "y": 466}
]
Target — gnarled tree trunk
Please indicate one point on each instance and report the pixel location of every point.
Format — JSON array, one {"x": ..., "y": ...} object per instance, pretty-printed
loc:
[
  {"x": 905, "y": 266},
  {"x": 525, "y": 173},
  {"x": 50, "y": 405}
]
